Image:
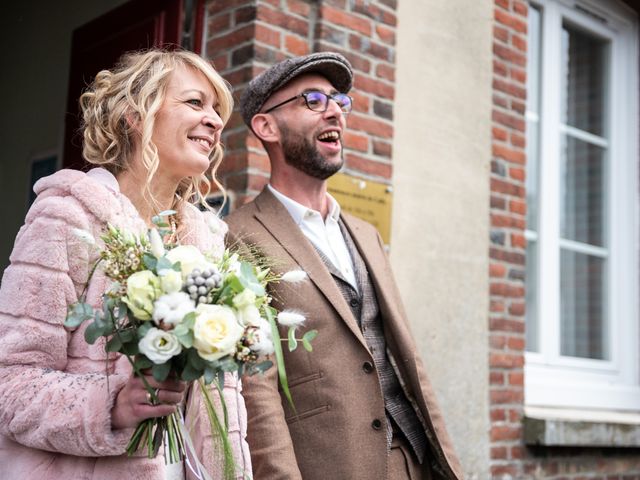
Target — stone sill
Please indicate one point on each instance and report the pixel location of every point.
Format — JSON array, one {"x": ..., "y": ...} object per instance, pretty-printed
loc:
[{"x": 561, "y": 427}]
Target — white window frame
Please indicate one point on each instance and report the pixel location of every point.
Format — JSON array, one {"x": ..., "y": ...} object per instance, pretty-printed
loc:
[{"x": 551, "y": 379}]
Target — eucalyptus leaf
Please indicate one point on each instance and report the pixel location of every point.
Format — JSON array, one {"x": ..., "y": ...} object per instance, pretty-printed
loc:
[
  {"x": 293, "y": 343},
  {"x": 149, "y": 261},
  {"x": 164, "y": 264},
  {"x": 114, "y": 344},
  {"x": 78, "y": 313},
  {"x": 161, "y": 372},
  {"x": 189, "y": 373},
  {"x": 143, "y": 362},
  {"x": 94, "y": 331}
]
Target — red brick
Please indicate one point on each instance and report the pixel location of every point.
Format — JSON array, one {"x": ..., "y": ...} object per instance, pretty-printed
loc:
[
  {"x": 497, "y": 270},
  {"x": 345, "y": 19},
  {"x": 501, "y": 33},
  {"x": 509, "y": 120},
  {"x": 502, "y": 396},
  {"x": 500, "y": 68},
  {"x": 508, "y": 471},
  {"x": 506, "y": 289},
  {"x": 511, "y": 257},
  {"x": 520, "y": 43},
  {"x": 520, "y": 8},
  {"x": 498, "y": 415},
  {"x": 499, "y": 100},
  {"x": 517, "y": 173},
  {"x": 281, "y": 19},
  {"x": 496, "y": 378},
  {"x": 518, "y": 74},
  {"x": 517, "y": 309},
  {"x": 498, "y": 203},
  {"x": 498, "y": 453},
  {"x": 509, "y": 88},
  {"x": 361, "y": 102},
  {"x": 506, "y": 325},
  {"x": 518, "y": 106},
  {"x": 370, "y": 47},
  {"x": 370, "y": 125},
  {"x": 507, "y": 188},
  {"x": 267, "y": 35},
  {"x": 518, "y": 140},
  {"x": 516, "y": 378},
  {"x": 382, "y": 149},
  {"x": 367, "y": 166},
  {"x": 516, "y": 343},
  {"x": 519, "y": 207},
  {"x": 386, "y": 34},
  {"x": 228, "y": 40},
  {"x": 498, "y": 133},
  {"x": 356, "y": 142},
  {"x": 497, "y": 342},
  {"x": 504, "y": 360},
  {"x": 515, "y": 416},
  {"x": 217, "y": 23},
  {"x": 368, "y": 8},
  {"x": 386, "y": 71},
  {"x": 500, "y": 432},
  {"x": 299, "y": 7},
  {"x": 296, "y": 45},
  {"x": 496, "y": 306},
  {"x": 245, "y": 14},
  {"x": 509, "y": 54},
  {"x": 503, "y": 3},
  {"x": 512, "y": 21},
  {"x": 376, "y": 87},
  {"x": 220, "y": 62},
  {"x": 509, "y": 154},
  {"x": 517, "y": 452}
]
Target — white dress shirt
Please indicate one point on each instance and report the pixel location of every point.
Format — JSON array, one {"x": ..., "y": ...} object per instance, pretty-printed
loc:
[{"x": 324, "y": 235}]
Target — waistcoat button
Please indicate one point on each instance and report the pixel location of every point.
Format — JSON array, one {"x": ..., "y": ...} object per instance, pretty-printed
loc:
[
  {"x": 367, "y": 367},
  {"x": 376, "y": 424}
]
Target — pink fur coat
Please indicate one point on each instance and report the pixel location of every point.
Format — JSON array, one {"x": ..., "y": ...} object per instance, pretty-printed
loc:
[{"x": 55, "y": 394}]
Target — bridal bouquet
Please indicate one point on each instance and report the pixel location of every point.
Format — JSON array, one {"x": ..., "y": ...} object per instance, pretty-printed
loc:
[{"x": 172, "y": 309}]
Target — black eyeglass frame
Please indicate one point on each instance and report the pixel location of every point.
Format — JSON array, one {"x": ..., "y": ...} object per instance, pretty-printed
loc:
[{"x": 306, "y": 101}]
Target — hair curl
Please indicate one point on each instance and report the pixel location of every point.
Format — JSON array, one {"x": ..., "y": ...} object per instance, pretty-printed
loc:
[{"x": 133, "y": 92}]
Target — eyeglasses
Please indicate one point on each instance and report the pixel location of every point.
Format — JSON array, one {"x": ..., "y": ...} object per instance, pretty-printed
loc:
[{"x": 319, "y": 102}]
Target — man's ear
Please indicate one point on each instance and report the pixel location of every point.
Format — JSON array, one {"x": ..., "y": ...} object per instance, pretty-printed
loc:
[{"x": 265, "y": 128}]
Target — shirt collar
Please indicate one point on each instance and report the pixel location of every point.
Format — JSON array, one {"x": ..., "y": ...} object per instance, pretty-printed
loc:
[{"x": 298, "y": 211}]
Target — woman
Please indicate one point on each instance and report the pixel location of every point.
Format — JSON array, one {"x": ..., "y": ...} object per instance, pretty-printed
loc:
[{"x": 152, "y": 126}]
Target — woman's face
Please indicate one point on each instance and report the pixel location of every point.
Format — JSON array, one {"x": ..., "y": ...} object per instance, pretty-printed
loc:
[{"x": 187, "y": 126}]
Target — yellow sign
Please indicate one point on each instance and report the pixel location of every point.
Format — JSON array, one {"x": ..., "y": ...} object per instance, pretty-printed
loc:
[{"x": 365, "y": 199}]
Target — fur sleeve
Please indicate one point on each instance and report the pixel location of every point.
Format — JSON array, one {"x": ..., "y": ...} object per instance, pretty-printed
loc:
[{"x": 42, "y": 404}]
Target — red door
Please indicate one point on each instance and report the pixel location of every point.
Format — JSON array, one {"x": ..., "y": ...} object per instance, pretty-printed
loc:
[{"x": 98, "y": 45}]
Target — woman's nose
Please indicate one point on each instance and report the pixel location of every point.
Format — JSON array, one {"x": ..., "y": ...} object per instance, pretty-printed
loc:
[{"x": 212, "y": 120}]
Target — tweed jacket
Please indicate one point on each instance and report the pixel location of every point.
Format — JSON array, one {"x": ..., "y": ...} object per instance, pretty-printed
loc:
[
  {"x": 337, "y": 429},
  {"x": 55, "y": 394}
]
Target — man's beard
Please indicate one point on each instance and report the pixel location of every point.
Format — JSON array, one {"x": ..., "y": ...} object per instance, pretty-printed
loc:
[{"x": 302, "y": 154}]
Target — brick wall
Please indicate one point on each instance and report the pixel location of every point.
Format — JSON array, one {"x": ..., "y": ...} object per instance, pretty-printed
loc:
[
  {"x": 509, "y": 457},
  {"x": 507, "y": 247},
  {"x": 243, "y": 37}
]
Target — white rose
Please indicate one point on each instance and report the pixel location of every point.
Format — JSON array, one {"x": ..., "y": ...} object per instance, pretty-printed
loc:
[
  {"x": 247, "y": 297},
  {"x": 249, "y": 315},
  {"x": 171, "y": 280},
  {"x": 159, "y": 346},
  {"x": 189, "y": 257},
  {"x": 142, "y": 290},
  {"x": 216, "y": 331},
  {"x": 172, "y": 308}
]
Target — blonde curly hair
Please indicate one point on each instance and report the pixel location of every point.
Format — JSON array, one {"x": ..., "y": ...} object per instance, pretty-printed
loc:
[{"x": 135, "y": 89}]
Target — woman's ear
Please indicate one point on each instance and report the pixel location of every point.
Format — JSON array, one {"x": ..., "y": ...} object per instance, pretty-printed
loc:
[
  {"x": 265, "y": 128},
  {"x": 133, "y": 121}
]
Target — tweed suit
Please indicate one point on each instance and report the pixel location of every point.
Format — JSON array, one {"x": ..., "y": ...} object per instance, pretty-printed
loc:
[{"x": 338, "y": 429}]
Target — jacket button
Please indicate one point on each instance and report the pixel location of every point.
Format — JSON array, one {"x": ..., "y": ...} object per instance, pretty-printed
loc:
[
  {"x": 367, "y": 367},
  {"x": 376, "y": 424}
]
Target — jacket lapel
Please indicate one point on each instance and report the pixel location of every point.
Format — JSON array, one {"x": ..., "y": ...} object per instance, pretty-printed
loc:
[{"x": 277, "y": 221}]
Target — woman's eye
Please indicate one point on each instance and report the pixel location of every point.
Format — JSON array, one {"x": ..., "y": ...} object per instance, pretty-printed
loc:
[{"x": 195, "y": 102}]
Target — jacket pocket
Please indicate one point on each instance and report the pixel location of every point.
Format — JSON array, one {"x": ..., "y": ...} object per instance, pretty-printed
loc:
[{"x": 307, "y": 414}]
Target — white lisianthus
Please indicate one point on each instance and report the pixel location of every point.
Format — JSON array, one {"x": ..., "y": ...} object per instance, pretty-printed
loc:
[
  {"x": 294, "y": 276},
  {"x": 85, "y": 236},
  {"x": 216, "y": 331},
  {"x": 189, "y": 257},
  {"x": 249, "y": 315},
  {"x": 171, "y": 280},
  {"x": 159, "y": 346},
  {"x": 157, "y": 247},
  {"x": 290, "y": 318},
  {"x": 172, "y": 308},
  {"x": 143, "y": 288},
  {"x": 234, "y": 264},
  {"x": 244, "y": 299}
]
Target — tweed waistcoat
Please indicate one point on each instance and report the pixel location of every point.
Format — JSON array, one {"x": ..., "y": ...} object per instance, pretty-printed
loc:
[{"x": 364, "y": 305}]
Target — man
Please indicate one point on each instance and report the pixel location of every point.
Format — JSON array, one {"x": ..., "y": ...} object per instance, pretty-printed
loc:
[{"x": 364, "y": 408}]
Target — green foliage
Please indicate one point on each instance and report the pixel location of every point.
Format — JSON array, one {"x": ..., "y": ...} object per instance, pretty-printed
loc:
[
  {"x": 307, "y": 338},
  {"x": 78, "y": 313}
]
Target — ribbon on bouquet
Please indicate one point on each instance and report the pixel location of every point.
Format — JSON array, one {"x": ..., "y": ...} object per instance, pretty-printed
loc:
[{"x": 190, "y": 452}]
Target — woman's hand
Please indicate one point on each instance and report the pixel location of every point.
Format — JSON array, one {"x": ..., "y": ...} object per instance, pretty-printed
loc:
[{"x": 133, "y": 403}]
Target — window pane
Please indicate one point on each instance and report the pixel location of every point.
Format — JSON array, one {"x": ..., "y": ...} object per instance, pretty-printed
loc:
[
  {"x": 533, "y": 60},
  {"x": 531, "y": 317},
  {"x": 584, "y": 64},
  {"x": 531, "y": 177},
  {"x": 582, "y": 192},
  {"x": 583, "y": 327}
]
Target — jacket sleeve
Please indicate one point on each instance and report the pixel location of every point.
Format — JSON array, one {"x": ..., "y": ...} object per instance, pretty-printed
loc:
[
  {"x": 206, "y": 444},
  {"x": 43, "y": 403},
  {"x": 272, "y": 453}
]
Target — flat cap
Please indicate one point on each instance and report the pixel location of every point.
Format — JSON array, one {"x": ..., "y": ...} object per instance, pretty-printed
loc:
[{"x": 333, "y": 66}]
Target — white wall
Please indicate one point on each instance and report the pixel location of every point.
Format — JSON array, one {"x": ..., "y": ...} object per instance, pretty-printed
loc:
[{"x": 440, "y": 226}]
